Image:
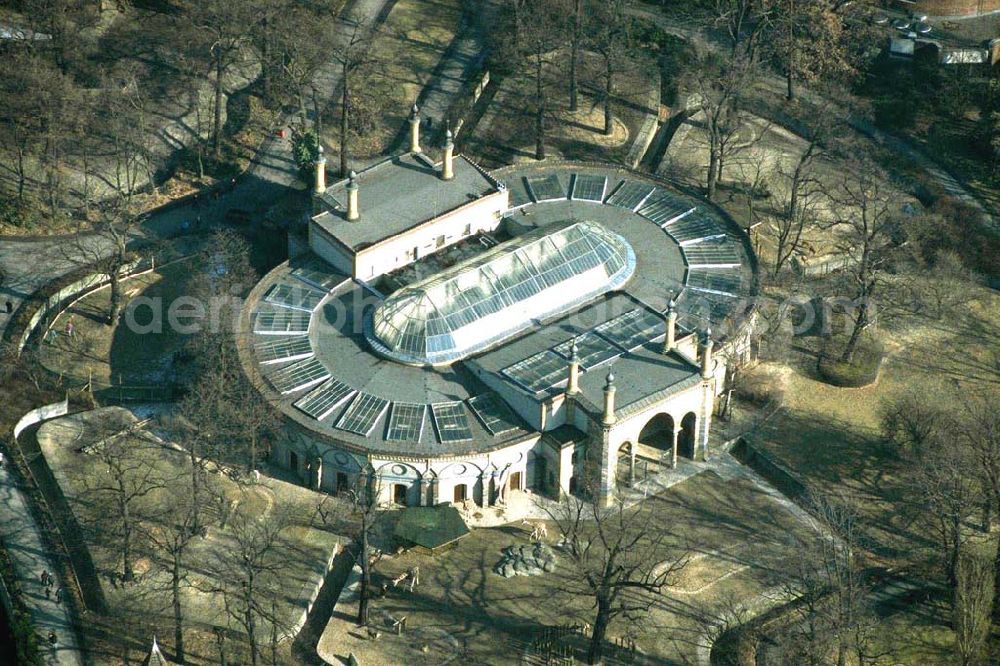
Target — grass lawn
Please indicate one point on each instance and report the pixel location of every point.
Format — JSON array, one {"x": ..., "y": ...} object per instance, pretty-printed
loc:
[
  {"x": 736, "y": 533},
  {"x": 830, "y": 437},
  {"x": 407, "y": 49},
  {"x": 119, "y": 354},
  {"x": 143, "y": 608},
  {"x": 506, "y": 132}
]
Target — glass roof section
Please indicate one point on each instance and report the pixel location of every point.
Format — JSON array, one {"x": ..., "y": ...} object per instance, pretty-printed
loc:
[{"x": 500, "y": 293}]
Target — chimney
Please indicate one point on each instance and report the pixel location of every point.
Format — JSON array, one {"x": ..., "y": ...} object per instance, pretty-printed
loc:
[
  {"x": 706, "y": 355},
  {"x": 609, "y": 399},
  {"x": 352, "y": 198},
  {"x": 320, "y": 173},
  {"x": 573, "y": 386},
  {"x": 415, "y": 129},
  {"x": 448, "y": 166},
  {"x": 670, "y": 342}
]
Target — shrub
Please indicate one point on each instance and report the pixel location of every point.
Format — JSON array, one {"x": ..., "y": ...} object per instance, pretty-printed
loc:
[
  {"x": 862, "y": 370},
  {"x": 305, "y": 150},
  {"x": 758, "y": 388}
]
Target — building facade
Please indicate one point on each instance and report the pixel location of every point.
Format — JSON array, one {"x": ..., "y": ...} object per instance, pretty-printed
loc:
[{"x": 463, "y": 335}]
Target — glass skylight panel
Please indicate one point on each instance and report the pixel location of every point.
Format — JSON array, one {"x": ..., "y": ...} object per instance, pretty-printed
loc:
[
  {"x": 719, "y": 280},
  {"x": 664, "y": 208},
  {"x": 317, "y": 273},
  {"x": 283, "y": 349},
  {"x": 545, "y": 188},
  {"x": 294, "y": 296},
  {"x": 631, "y": 195},
  {"x": 362, "y": 414},
  {"x": 494, "y": 414},
  {"x": 325, "y": 398},
  {"x": 463, "y": 310},
  {"x": 721, "y": 252},
  {"x": 694, "y": 228},
  {"x": 406, "y": 421},
  {"x": 519, "y": 194},
  {"x": 279, "y": 321},
  {"x": 633, "y": 329},
  {"x": 539, "y": 373},
  {"x": 298, "y": 375},
  {"x": 589, "y": 187},
  {"x": 592, "y": 349},
  {"x": 452, "y": 422}
]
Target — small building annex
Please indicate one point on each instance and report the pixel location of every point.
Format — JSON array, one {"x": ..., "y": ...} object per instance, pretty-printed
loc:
[{"x": 462, "y": 335}]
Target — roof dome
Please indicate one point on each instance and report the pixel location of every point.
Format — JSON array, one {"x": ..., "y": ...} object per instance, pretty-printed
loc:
[{"x": 499, "y": 293}]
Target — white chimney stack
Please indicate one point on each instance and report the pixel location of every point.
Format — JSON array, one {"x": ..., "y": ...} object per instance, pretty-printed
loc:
[
  {"x": 320, "y": 164},
  {"x": 448, "y": 167},
  {"x": 352, "y": 198},
  {"x": 415, "y": 129}
]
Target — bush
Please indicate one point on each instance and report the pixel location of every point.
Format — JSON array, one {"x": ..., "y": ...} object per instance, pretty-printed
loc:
[
  {"x": 758, "y": 388},
  {"x": 862, "y": 370},
  {"x": 305, "y": 150}
]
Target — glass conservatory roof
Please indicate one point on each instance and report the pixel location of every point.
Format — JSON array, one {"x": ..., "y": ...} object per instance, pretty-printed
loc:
[{"x": 499, "y": 293}]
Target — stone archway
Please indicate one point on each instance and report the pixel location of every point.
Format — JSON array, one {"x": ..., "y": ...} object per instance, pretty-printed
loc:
[
  {"x": 687, "y": 439},
  {"x": 658, "y": 433}
]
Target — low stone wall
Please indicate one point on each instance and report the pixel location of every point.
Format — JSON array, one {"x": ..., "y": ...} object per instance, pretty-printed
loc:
[
  {"x": 40, "y": 414},
  {"x": 648, "y": 129},
  {"x": 770, "y": 468},
  {"x": 950, "y": 7}
]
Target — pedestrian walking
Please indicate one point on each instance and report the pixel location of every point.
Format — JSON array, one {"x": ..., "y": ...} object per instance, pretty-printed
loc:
[
  {"x": 53, "y": 639},
  {"x": 60, "y": 591},
  {"x": 45, "y": 576},
  {"x": 70, "y": 328},
  {"x": 48, "y": 592},
  {"x": 8, "y": 306},
  {"x": 1, "y": 459}
]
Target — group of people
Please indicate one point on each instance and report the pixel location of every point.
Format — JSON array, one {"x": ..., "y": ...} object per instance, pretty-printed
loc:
[{"x": 48, "y": 582}]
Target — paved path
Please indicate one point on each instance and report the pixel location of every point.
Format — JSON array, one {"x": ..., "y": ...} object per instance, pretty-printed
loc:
[
  {"x": 450, "y": 76},
  {"x": 23, "y": 542}
]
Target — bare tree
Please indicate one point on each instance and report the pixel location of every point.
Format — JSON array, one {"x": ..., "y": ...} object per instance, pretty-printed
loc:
[
  {"x": 973, "y": 607},
  {"x": 745, "y": 23},
  {"x": 833, "y": 613},
  {"x": 250, "y": 569},
  {"x": 364, "y": 497},
  {"x": 130, "y": 477},
  {"x": 719, "y": 87},
  {"x": 574, "y": 59},
  {"x": 352, "y": 53},
  {"x": 304, "y": 40},
  {"x": 223, "y": 28},
  {"x": 947, "y": 493},
  {"x": 618, "y": 558},
  {"x": 171, "y": 536},
  {"x": 867, "y": 235},
  {"x": 979, "y": 428},
  {"x": 610, "y": 36}
]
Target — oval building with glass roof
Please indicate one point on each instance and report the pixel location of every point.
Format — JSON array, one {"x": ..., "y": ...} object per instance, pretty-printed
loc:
[{"x": 462, "y": 335}]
